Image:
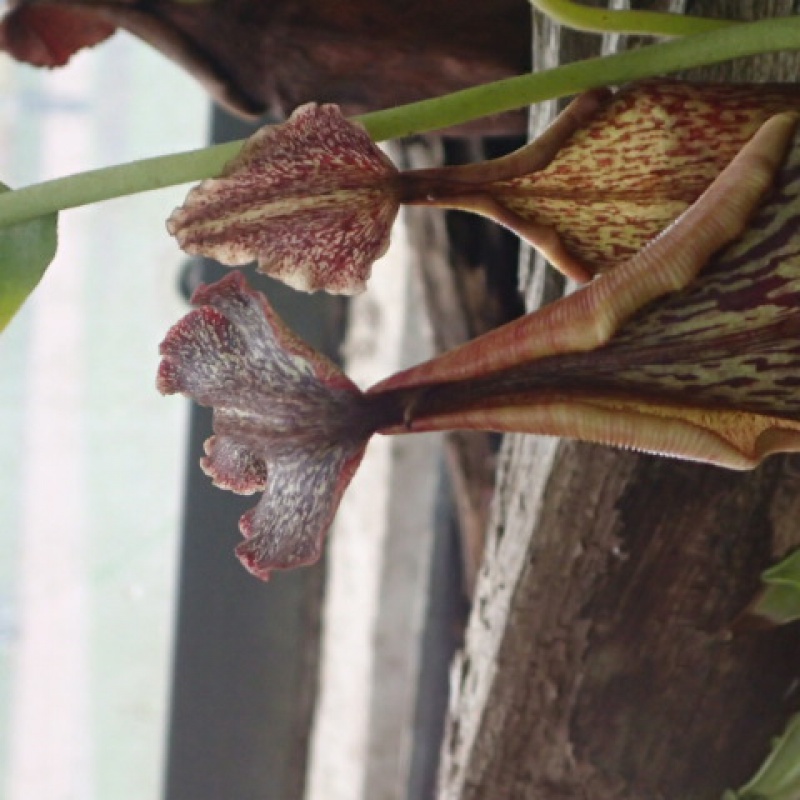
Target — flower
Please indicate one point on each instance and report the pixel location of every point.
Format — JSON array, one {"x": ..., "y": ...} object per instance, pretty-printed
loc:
[
  {"x": 690, "y": 349},
  {"x": 287, "y": 422},
  {"x": 612, "y": 172},
  {"x": 313, "y": 200}
]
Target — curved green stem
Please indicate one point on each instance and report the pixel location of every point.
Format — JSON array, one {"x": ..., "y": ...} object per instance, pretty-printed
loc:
[
  {"x": 765, "y": 36},
  {"x": 736, "y": 41},
  {"x": 649, "y": 23}
]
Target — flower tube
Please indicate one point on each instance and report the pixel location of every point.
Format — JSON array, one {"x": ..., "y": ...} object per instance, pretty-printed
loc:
[{"x": 313, "y": 200}]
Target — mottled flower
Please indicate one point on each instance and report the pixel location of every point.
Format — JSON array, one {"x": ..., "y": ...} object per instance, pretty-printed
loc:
[
  {"x": 690, "y": 349},
  {"x": 313, "y": 200},
  {"x": 612, "y": 172},
  {"x": 287, "y": 422}
]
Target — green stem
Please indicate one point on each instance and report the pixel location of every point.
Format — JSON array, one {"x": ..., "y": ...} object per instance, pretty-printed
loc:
[
  {"x": 736, "y": 41},
  {"x": 106, "y": 183},
  {"x": 603, "y": 20},
  {"x": 748, "y": 39}
]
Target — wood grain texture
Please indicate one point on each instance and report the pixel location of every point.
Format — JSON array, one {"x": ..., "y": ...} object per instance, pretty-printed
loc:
[
  {"x": 600, "y": 659},
  {"x": 467, "y": 267}
]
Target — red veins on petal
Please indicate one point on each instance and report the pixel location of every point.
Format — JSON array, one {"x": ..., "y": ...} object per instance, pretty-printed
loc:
[{"x": 312, "y": 200}]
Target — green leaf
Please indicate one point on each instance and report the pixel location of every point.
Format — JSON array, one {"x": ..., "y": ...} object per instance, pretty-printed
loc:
[
  {"x": 779, "y": 775},
  {"x": 779, "y": 601},
  {"x": 26, "y": 250}
]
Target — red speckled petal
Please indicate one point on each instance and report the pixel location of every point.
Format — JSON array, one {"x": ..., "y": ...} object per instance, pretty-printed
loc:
[
  {"x": 640, "y": 163},
  {"x": 606, "y": 178},
  {"x": 312, "y": 200}
]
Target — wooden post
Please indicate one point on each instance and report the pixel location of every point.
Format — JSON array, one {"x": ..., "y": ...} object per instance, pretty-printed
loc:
[{"x": 600, "y": 661}]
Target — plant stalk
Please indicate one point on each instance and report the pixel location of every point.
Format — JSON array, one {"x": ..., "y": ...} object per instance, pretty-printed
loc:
[
  {"x": 747, "y": 39},
  {"x": 648, "y": 23}
]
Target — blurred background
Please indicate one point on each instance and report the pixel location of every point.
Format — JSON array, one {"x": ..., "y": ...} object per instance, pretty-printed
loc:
[
  {"x": 137, "y": 658},
  {"x": 92, "y": 457}
]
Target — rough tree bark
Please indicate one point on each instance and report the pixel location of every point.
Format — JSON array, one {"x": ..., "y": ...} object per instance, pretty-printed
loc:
[{"x": 600, "y": 660}]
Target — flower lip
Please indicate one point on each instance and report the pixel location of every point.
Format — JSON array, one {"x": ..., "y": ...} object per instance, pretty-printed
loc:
[
  {"x": 287, "y": 421},
  {"x": 312, "y": 200}
]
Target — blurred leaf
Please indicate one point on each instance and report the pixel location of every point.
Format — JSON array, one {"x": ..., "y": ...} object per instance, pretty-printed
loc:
[
  {"x": 26, "y": 250},
  {"x": 779, "y": 775},
  {"x": 779, "y": 600}
]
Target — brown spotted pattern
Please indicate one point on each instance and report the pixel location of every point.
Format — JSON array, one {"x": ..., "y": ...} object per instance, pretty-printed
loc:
[
  {"x": 733, "y": 337},
  {"x": 311, "y": 200},
  {"x": 640, "y": 163}
]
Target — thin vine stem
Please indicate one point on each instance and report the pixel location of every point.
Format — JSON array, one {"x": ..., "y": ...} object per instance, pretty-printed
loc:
[
  {"x": 736, "y": 41},
  {"x": 649, "y": 23}
]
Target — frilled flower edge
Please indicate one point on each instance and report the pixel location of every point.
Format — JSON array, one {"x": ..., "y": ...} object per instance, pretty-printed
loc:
[
  {"x": 312, "y": 200},
  {"x": 287, "y": 421}
]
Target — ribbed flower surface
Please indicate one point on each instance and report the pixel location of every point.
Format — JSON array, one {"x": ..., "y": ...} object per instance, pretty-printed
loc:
[
  {"x": 708, "y": 372},
  {"x": 311, "y": 200}
]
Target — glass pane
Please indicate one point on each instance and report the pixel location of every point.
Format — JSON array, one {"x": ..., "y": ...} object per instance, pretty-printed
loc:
[{"x": 91, "y": 454}]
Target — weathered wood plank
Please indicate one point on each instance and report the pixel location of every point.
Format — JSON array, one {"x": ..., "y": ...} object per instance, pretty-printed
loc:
[
  {"x": 467, "y": 266},
  {"x": 599, "y": 660}
]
